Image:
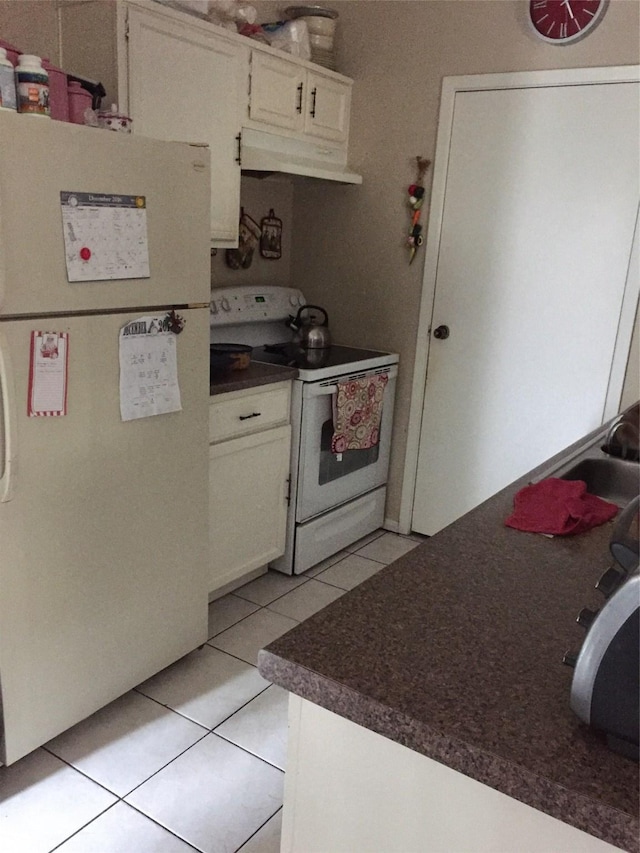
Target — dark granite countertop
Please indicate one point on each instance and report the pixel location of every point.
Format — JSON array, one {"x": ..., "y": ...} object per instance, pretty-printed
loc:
[
  {"x": 455, "y": 651},
  {"x": 258, "y": 373}
]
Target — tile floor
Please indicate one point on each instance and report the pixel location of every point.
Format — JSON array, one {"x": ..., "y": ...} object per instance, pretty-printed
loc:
[{"x": 193, "y": 758}]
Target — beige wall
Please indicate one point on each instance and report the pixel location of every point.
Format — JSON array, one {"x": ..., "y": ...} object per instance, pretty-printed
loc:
[
  {"x": 32, "y": 26},
  {"x": 349, "y": 249}
]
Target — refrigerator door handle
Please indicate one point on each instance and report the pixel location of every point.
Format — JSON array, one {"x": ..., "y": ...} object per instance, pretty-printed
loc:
[{"x": 9, "y": 424}]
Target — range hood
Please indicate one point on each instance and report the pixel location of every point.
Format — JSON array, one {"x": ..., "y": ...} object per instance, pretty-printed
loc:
[{"x": 263, "y": 154}]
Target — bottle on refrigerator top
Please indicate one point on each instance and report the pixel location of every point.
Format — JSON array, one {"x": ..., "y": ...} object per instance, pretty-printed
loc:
[
  {"x": 79, "y": 101},
  {"x": 32, "y": 83},
  {"x": 8, "y": 99}
]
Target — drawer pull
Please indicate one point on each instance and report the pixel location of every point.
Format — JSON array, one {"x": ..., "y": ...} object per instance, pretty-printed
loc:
[{"x": 252, "y": 415}]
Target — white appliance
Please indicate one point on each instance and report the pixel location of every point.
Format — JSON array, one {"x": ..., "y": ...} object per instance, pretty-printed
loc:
[
  {"x": 334, "y": 500},
  {"x": 103, "y": 522}
]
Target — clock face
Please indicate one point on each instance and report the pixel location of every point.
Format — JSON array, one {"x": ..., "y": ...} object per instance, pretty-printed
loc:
[{"x": 565, "y": 21}]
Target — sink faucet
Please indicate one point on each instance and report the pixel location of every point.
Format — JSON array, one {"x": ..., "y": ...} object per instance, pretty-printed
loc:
[{"x": 628, "y": 442}]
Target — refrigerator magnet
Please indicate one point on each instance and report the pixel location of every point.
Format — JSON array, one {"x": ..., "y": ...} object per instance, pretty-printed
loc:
[{"x": 48, "y": 368}]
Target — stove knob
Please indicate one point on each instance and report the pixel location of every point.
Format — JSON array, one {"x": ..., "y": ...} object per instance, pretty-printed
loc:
[
  {"x": 213, "y": 308},
  {"x": 586, "y": 617},
  {"x": 293, "y": 300},
  {"x": 224, "y": 304},
  {"x": 610, "y": 581}
]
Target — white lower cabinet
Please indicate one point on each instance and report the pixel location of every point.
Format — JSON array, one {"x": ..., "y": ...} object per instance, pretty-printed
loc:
[
  {"x": 248, "y": 482},
  {"x": 426, "y": 807}
]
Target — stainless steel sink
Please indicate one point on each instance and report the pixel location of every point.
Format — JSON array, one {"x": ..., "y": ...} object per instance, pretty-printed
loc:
[
  {"x": 615, "y": 480},
  {"x": 609, "y": 477}
]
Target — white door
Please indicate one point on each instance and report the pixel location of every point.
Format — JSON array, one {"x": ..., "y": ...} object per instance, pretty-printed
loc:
[
  {"x": 184, "y": 84},
  {"x": 325, "y": 479},
  {"x": 104, "y": 557},
  {"x": 62, "y": 156},
  {"x": 537, "y": 227}
]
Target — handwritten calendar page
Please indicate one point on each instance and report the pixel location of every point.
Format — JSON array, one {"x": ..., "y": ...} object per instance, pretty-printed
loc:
[
  {"x": 148, "y": 369},
  {"x": 105, "y": 236}
]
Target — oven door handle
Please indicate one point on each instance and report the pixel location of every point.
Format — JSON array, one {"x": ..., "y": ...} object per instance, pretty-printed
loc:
[{"x": 319, "y": 389}]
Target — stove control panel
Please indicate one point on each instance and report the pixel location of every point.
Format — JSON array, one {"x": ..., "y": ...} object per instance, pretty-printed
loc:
[{"x": 247, "y": 304}]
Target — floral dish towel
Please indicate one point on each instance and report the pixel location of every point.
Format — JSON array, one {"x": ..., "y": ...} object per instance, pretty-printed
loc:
[{"x": 357, "y": 410}]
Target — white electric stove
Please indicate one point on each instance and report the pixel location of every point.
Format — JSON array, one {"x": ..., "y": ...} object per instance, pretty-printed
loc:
[{"x": 335, "y": 498}]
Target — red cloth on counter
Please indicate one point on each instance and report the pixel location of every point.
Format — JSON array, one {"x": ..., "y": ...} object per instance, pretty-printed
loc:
[{"x": 558, "y": 507}]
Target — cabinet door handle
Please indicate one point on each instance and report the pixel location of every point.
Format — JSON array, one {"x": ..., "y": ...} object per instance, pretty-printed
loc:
[
  {"x": 314, "y": 92},
  {"x": 239, "y": 154},
  {"x": 299, "y": 107},
  {"x": 252, "y": 415}
]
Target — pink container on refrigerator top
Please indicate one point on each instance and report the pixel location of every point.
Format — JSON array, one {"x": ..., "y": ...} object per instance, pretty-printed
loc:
[
  {"x": 58, "y": 97},
  {"x": 79, "y": 101}
]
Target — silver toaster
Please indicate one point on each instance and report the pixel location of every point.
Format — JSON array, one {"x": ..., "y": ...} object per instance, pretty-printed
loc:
[{"x": 605, "y": 691}]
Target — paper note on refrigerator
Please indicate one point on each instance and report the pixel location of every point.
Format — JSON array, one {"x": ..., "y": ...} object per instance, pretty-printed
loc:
[
  {"x": 48, "y": 374},
  {"x": 148, "y": 369},
  {"x": 105, "y": 236}
]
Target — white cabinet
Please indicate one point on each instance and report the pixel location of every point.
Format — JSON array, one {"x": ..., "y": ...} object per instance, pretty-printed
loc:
[
  {"x": 287, "y": 95},
  {"x": 182, "y": 78},
  {"x": 250, "y": 440},
  {"x": 194, "y": 101},
  {"x": 178, "y": 77}
]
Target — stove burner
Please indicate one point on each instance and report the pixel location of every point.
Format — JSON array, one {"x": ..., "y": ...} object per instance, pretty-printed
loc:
[
  {"x": 337, "y": 358},
  {"x": 294, "y": 356}
]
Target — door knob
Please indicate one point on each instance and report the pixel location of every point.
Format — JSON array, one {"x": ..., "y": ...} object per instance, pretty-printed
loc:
[{"x": 441, "y": 333}]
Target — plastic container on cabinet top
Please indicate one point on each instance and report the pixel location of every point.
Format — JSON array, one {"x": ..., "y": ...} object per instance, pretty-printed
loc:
[
  {"x": 8, "y": 98},
  {"x": 32, "y": 84},
  {"x": 79, "y": 101},
  {"x": 58, "y": 96}
]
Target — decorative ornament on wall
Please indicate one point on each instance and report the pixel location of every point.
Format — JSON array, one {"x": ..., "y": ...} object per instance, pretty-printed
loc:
[
  {"x": 416, "y": 200},
  {"x": 565, "y": 21}
]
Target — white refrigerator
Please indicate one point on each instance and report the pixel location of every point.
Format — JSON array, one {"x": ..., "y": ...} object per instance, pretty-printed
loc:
[{"x": 103, "y": 521}]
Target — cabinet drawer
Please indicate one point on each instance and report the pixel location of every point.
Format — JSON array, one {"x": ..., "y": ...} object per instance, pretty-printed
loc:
[{"x": 240, "y": 413}]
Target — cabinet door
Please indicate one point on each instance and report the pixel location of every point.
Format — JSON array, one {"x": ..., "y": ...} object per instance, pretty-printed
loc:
[
  {"x": 184, "y": 85},
  {"x": 247, "y": 503},
  {"x": 277, "y": 91},
  {"x": 328, "y": 105}
]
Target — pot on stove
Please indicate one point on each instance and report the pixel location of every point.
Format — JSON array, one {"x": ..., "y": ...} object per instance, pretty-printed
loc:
[{"x": 309, "y": 334}]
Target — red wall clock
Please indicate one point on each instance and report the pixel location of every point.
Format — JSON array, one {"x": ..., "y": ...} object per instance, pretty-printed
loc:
[{"x": 565, "y": 21}]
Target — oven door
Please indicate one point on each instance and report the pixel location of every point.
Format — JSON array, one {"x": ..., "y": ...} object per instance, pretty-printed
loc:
[{"x": 326, "y": 479}]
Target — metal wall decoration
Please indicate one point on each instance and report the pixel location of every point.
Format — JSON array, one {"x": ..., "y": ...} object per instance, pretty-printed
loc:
[
  {"x": 416, "y": 200},
  {"x": 271, "y": 237},
  {"x": 248, "y": 236}
]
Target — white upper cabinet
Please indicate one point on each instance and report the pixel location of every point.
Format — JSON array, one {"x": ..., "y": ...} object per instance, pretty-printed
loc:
[
  {"x": 183, "y": 79},
  {"x": 328, "y": 108},
  {"x": 277, "y": 89},
  {"x": 195, "y": 100},
  {"x": 287, "y": 95},
  {"x": 178, "y": 77}
]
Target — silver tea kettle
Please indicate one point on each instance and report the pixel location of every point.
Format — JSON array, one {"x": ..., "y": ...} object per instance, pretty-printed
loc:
[{"x": 310, "y": 335}]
